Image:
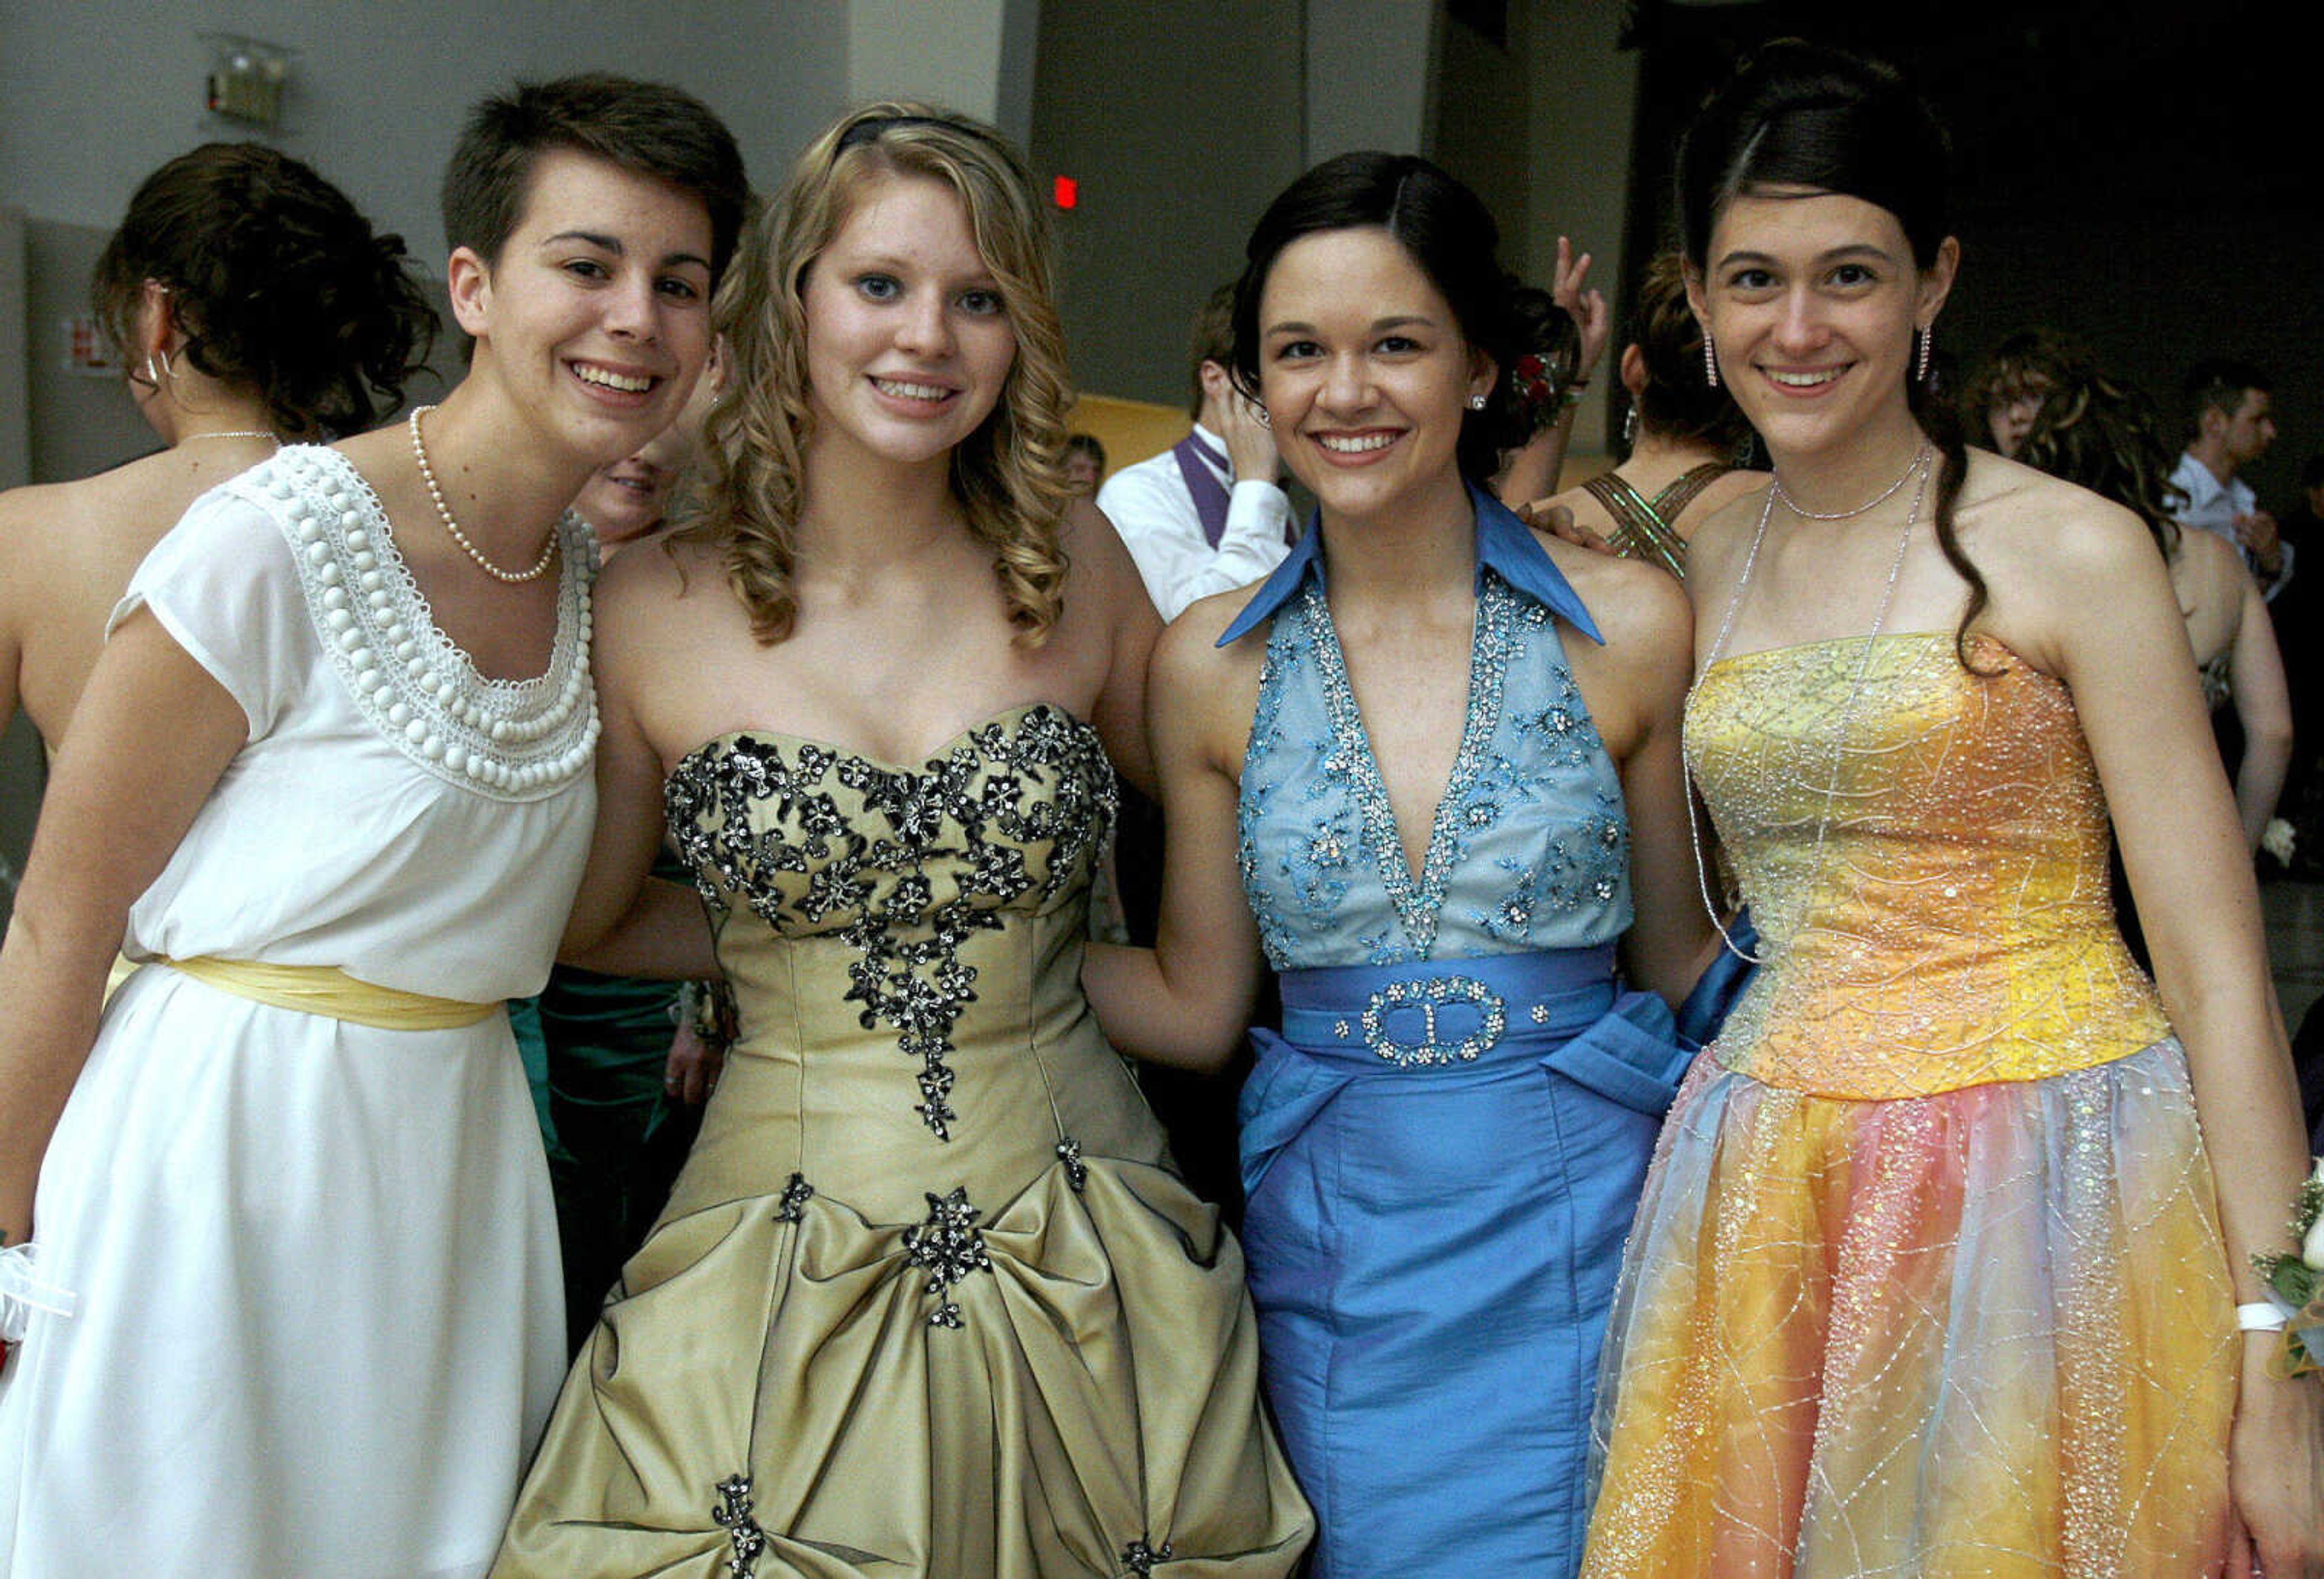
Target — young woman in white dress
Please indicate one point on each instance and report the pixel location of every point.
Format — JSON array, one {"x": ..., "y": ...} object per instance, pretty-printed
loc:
[{"x": 293, "y": 1306}]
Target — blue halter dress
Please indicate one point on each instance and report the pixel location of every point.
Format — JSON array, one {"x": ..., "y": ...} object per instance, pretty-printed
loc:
[{"x": 1444, "y": 1148}]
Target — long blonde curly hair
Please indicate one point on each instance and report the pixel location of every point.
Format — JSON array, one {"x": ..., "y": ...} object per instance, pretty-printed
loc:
[{"x": 1009, "y": 475}]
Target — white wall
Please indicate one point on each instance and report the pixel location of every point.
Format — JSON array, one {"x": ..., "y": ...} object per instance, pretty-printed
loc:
[{"x": 98, "y": 92}]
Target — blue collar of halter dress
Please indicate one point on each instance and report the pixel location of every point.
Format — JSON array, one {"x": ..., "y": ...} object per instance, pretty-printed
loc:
[{"x": 1504, "y": 543}]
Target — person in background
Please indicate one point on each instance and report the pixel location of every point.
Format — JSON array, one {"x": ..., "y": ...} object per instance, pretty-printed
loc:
[
  {"x": 2230, "y": 424},
  {"x": 295, "y": 1304},
  {"x": 1084, "y": 463},
  {"x": 2001, "y": 399},
  {"x": 1561, "y": 351},
  {"x": 1683, "y": 438},
  {"x": 224, "y": 373},
  {"x": 1209, "y": 513},
  {"x": 2107, "y": 436}
]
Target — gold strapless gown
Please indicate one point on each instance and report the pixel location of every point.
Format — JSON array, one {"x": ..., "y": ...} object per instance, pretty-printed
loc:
[
  {"x": 928, "y": 1297},
  {"x": 1927, "y": 1282}
]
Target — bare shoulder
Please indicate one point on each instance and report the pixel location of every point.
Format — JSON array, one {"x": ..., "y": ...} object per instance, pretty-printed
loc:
[
  {"x": 2015, "y": 518},
  {"x": 1716, "y": 546},
  {"x": 1641, "y": 610},
  {"x": 1189, "y": 644}
]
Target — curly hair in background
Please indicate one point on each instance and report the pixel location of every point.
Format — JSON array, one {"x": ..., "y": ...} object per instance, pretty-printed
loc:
[
  {"x": 2103, "y": 435},
  {"x": 278, "y": 284}
]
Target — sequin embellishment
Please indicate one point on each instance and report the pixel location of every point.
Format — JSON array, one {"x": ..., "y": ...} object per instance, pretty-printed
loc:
[
  {"x": 1418, "y": 904},
  {"x": 1140, "y": 1558},
  {"x": 796, "y": 1195},
  {"x": 745, "y": 1540},
  {"x": 1069, "y": 1153},
  {"x": 1036, "y": 778},
  {"x": 948, "y": 1246}
]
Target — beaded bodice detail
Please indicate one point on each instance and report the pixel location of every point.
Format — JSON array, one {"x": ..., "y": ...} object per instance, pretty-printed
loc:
[
  {"x": 511, "y": 740},
  {"x": 1529, "y": 850},
  {"x": 903, "y": 869},
  {"x": 1949, "y": 925}
]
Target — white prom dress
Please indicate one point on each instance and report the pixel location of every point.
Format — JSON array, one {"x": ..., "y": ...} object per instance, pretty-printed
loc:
[{"x": 319, "y": 1326}]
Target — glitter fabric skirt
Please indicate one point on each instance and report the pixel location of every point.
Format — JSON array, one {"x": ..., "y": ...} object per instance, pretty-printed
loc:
[{"x": 1989, "y": 1331}]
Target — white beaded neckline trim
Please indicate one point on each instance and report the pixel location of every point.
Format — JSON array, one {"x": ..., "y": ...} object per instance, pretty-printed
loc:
[{"x": 511, "y": 740}]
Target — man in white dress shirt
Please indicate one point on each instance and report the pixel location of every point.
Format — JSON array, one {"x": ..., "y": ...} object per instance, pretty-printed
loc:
[
  {"x": 2230, "y": 423},
  {"x": 1208, "y": 514}
]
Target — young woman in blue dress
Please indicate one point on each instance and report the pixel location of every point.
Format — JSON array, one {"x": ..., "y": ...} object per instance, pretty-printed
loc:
[{"x": 1424, "y": 767}]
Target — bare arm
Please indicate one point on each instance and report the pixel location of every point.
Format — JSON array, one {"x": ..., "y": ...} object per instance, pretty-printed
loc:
[
  {"x": 623, "y": 922},
  {"x": 1104, "y": 575},
  {"x": 152, "y": 734},
  {"x": 1187, "y": 1000},
  {"x": 2264, "y": 707},
  {"x": 2182, "y": 844}
]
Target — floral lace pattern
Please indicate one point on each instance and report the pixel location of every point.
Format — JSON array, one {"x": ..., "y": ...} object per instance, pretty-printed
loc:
[
  {"x": 513, "y": 740},
  {"x": 1529, "y": 849},
  {"x": 903, "y": 864}
]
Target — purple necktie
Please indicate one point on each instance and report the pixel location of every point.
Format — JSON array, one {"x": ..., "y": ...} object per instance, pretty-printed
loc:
[{"x": 1203, "y": 483}]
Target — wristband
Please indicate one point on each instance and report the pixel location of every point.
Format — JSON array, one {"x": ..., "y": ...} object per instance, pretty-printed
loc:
[{"x": 2260, "y": 1317}]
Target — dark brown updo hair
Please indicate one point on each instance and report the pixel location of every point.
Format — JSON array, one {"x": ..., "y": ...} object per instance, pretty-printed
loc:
[
  {"x": 1801, "y": 118},
  {"x": 277, "y": 284},
  {"x": 1677, "y": 402},
  {"x": 1446, "y": 230}
]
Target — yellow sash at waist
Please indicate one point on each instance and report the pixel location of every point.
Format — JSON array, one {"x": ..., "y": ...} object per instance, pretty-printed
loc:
[{"x": 328, "y": 991}]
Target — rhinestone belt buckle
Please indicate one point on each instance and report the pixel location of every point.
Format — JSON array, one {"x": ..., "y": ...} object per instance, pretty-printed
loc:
[{"x": 1427, "y": 998}]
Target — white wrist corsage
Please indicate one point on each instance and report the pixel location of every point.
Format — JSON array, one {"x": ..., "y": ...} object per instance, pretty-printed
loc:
[
  {"x": 22, "y": 1291},
  {"x": 2295, "y": 1282}
]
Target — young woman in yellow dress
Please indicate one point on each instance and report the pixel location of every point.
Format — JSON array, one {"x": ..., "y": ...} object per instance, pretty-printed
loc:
[
  {"x": 1936, "y": 1273},
  {"x": 927, "y": 1298}
]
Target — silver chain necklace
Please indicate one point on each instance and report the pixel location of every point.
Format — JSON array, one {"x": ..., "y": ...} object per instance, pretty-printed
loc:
[
  {"x": 1874, "y": 502},
  {"x": 1856, "y": 689}
]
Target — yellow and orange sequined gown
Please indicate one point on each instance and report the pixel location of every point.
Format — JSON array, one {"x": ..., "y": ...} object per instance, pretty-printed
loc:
[{"x": 1928, "y": 1278}]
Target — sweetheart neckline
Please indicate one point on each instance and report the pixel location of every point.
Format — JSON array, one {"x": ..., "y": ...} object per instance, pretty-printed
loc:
[{"x": 928, "y": 761}]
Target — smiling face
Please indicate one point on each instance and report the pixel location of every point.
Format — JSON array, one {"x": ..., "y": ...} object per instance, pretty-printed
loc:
[
  {"x": 909, "y": 340},
  {"x": 594, "y": 322},
  {"x": 1365, "y": 374},
  {"x": 1811, "y": 301}
]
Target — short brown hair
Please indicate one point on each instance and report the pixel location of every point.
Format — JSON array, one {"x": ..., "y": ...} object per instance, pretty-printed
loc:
[{"x": 647, "y": 129}]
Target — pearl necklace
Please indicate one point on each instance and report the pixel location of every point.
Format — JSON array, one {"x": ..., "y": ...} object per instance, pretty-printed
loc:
[
  {"x": 1870, "y": 504},
  {"x": 428, "y": 476},
  {"x": 1920, "y": 467}
]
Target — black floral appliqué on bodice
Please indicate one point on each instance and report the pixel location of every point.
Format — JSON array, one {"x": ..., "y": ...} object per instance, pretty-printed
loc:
[{"x": 902, "y": 864}]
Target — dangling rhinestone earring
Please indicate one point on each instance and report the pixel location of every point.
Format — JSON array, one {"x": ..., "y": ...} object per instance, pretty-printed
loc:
[
  {"x": 1709, "y": 361},
  {"x": 1928, "y": 338},
  {"x": 1630, "y": 426}
]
